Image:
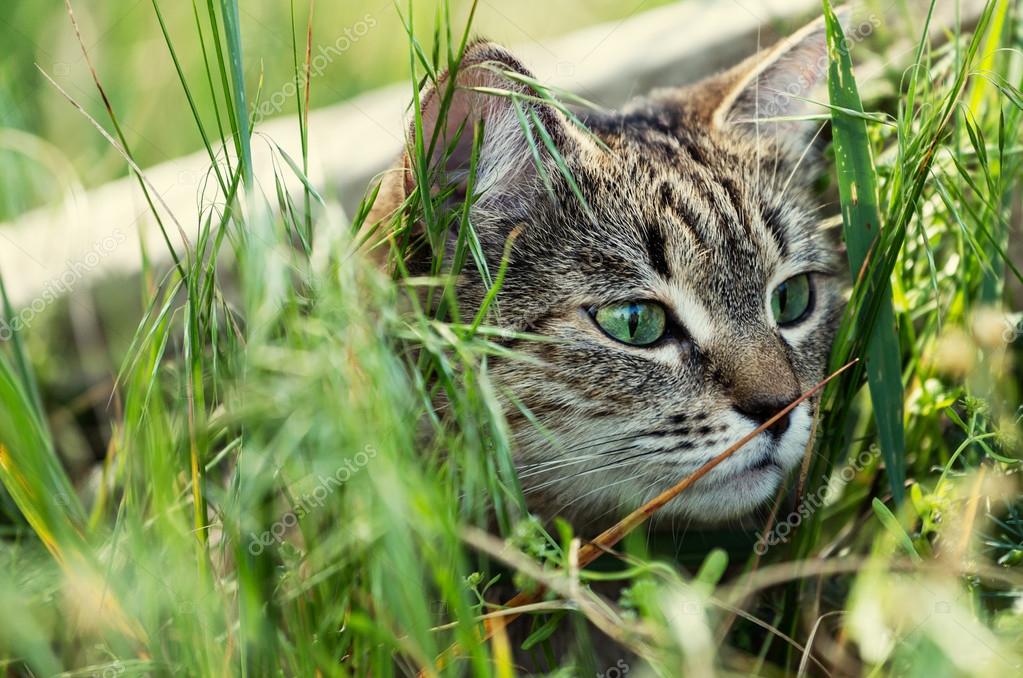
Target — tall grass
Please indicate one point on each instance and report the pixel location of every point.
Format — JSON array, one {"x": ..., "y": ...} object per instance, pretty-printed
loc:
[{"x": 280, "y": 495}]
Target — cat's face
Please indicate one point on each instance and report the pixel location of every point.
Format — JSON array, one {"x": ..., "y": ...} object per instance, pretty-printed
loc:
[{"x": 692, "y": 298}]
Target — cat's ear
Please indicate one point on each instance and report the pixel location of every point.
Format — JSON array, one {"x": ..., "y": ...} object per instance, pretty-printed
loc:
[
  {"x": 776, "y": 84},
  {"x": 489, "y": 91}
]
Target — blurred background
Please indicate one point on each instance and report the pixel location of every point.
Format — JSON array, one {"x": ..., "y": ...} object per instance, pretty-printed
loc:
[{"x": 130, "y": 54}]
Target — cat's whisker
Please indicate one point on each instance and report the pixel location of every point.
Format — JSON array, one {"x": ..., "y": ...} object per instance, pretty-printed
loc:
[
  {"x": 551, "y": 464},
  {"x": 548, "y": 466},
  {"x": 601, "y": 440},
  {"x": 774, "y": 172},
  {"x": 594, "y": 442},
  {"x": 557, "y": 464},
  {"x": 624, "y": 439},
  {"x": 631, "y": 437},
  {"x": 680, "y": 540},
  {"x": 555, "y": 481},
  {"x": 799, "y": 162},
  {"x": 830, "y": 223},
  {"x": 820, "y": 208},
  {"x": 607, "y": 467},
  {"x": 595, "y": 490},
  {"x": 616, "y": 507}
]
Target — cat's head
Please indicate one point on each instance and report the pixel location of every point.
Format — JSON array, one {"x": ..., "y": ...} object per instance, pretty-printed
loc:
[{"x": 690, "y": 294}]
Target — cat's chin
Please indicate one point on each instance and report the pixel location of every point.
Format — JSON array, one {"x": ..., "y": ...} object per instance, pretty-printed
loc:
[
  {"x": 730, "y": 500},
  {"x": 739, "y": 500}
]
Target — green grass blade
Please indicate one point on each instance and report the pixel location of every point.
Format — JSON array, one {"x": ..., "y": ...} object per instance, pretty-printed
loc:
[
  {"x": 193, "y": 107},
  {"x": 232, "y": 31},
  {"x": 225, "y": 82},
  {"x": 857, "y": 181},
  {"x": 891, "y": 524},
  {"x": 32, "y": 473}
]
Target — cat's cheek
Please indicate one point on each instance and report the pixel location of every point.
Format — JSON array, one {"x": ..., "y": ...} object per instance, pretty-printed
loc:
[{"x": 792, "y": 447}]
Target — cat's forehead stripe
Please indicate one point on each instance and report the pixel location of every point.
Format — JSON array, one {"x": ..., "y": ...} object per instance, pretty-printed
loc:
[
  {"x": 772, "y": 216},
  {"x": 656, "y": 250},
  {"x": 715, "y": 195},
  {"x": 675, "y": 203}
]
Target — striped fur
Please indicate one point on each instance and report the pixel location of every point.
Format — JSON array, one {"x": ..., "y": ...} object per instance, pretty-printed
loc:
[{"x": 695, "y": 204}]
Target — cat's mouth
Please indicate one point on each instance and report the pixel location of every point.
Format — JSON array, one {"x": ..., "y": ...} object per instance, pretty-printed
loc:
[
  {"x": 753, "y": 473},
  {"x": 765, "y": 462},
  {"x": 763, "y": 456}
]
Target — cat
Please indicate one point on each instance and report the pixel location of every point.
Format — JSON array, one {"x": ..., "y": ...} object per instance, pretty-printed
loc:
[{"x": 691, "y": 293}]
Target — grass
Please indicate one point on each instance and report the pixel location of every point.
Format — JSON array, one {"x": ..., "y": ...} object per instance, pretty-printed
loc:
[
  {"x": 125, "y": 41},
  {"x": 278, "y": 495},
  {"x": 857, "y": 185}
]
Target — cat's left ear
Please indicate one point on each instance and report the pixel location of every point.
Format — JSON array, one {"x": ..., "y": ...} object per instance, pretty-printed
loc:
[
  {"x": 490, "y": 90},
  {"x": 775, "y": 84}
]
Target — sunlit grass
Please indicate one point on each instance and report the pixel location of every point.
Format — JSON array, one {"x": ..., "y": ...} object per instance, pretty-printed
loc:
[{"x": 280, "y": 494}]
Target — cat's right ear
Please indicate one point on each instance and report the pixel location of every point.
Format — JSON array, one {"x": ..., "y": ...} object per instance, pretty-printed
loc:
[
  {"x": 769, "y": 93},
  {"x": 488, "y": 91}
]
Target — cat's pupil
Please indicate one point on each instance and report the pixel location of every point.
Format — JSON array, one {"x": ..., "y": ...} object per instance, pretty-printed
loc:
[
  {"x": 633, "y": 320},
  {"x": 783, "y": 293}
]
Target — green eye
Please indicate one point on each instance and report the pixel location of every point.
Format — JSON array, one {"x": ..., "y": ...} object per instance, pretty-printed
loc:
[
  {"x": 790, "y": 301},
  {"x": 638, "y": 323}
]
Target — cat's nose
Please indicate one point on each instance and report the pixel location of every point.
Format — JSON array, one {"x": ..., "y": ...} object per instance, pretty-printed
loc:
[{"x": 762, "y": 408}]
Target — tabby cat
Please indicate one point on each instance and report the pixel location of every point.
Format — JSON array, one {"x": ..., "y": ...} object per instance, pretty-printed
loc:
[{"x": 691, "y": 293}]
